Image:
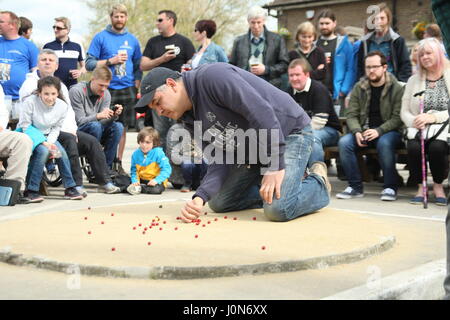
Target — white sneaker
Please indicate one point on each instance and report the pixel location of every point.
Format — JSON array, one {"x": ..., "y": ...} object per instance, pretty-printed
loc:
[
  {"x": 110, "y": 188},
  {"x": 132, "y": 189},
  {"x": 349, "y": 193},
  {"x": 81, "y": 191},
  {"x": 388, "y": 194}
]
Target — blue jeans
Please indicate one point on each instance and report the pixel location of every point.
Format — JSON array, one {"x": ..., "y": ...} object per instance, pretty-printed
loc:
[
  {"x": 108, "y": 135},
  {"x": 193, "y": 173},
  {"x": 299, "y": 196},
  {"x": 385, "y": 145},
  {"x": 325, "y": 137},
  {"x": 37, "y": 163}
]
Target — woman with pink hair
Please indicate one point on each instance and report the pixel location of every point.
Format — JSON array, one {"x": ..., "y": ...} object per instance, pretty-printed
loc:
[{"x": 433, "y": 81}]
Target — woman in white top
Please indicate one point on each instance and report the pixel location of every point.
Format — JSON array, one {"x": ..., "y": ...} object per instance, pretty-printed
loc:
[
  {"x": 432, "y": 78},
  {"x": 208, "y": 52}
]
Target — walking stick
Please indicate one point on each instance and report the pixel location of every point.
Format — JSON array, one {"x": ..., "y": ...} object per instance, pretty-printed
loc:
[{"x": 424, "y": 161}]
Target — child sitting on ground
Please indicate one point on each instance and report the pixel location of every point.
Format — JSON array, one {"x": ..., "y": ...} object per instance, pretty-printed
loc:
[{"x": 150, "y": 168}]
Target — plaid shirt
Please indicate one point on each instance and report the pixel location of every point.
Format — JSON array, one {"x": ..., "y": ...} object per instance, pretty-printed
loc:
[{"x": 441, "y": 10}]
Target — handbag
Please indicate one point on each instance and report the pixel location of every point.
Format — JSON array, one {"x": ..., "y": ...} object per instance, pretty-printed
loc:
[
  {"x": 434, "y": 131},
  {"x": 9, "y": 192}
]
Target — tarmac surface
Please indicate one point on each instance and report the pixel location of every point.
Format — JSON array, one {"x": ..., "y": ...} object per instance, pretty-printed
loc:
[{"x": 416, "y": 254}]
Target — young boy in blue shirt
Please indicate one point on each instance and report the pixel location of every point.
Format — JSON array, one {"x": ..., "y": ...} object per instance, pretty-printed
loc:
[{"x": 150, "y": 168}]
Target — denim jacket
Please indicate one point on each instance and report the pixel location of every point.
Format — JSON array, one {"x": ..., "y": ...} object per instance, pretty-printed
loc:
[{"x": 213, "y": 53}]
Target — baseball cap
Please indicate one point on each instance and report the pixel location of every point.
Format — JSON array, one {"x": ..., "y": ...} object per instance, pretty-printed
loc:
[{"x": 153, "y": 80}]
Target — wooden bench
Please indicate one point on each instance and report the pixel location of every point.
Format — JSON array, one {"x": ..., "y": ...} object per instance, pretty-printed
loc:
[{"x": 333, "y": 153}]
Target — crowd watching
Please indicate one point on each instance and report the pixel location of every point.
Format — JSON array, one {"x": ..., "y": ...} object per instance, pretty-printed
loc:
[{"x": 370, "y": 93}]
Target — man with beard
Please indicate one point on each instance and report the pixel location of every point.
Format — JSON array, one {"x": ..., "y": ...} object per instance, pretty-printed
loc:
[
  {"x": 373, "y": 119},
  {"x": 339, "y": 53},
  {"x": 118, "y": 49}
]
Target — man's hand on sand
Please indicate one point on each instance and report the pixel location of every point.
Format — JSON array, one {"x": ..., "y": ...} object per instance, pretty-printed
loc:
[{"x": 192, "y": 210}]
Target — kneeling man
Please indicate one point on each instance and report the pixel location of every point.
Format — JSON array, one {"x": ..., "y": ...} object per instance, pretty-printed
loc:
[{"x": 234, "y": 111}]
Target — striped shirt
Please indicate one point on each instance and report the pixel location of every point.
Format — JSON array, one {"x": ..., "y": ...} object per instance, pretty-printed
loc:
[{"x": 69, "y": 54}]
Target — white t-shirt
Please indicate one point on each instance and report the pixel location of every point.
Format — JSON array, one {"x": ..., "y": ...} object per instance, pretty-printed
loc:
[{"x": 196, "y": 60}]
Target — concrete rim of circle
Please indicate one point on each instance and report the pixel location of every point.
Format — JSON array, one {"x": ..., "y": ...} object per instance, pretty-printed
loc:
[{"x": 198, "y": 272}]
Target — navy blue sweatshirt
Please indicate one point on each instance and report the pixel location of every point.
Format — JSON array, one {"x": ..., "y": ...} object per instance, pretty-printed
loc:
[{"x": 226, "y": 98}]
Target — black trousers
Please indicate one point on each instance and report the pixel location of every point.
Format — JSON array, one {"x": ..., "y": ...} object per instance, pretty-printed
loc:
[
  {"x": 89, "y": 147},
  {"x": 158, "y": 189},
  {"x": 437, "y": 151},
  {"x": 69, "y": 142}
]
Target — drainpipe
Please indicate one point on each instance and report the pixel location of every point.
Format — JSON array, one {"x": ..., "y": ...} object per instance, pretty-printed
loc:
[{"x": 394, "y": 15}]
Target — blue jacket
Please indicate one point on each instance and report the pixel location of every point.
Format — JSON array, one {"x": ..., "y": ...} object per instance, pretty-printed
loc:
[
  {"x": 213, "y": 53},
  {"x": 35, "y": 135},
  {"x": 344, "y": 68},
  {"x": 153, "y": 165}
]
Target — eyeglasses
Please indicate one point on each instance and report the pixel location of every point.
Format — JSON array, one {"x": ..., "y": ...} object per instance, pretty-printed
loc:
[
  {"x": 58, "y": 28},
  {"x": 373, "y": 67}
]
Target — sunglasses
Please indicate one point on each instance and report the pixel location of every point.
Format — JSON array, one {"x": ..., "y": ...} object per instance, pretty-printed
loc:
[
  {"x": 58, "y": 28},
  {"x": 159, "y": 20}
]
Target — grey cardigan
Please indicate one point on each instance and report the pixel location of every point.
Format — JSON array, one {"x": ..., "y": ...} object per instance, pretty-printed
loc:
[{"x": 275, "y": 55}]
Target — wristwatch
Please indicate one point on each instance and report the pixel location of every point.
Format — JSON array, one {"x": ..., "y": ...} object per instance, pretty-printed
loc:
[{"x": 108, "y": 63}]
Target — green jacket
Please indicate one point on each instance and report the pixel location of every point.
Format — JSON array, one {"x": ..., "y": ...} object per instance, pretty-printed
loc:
[{"x": 390, "y": 105}]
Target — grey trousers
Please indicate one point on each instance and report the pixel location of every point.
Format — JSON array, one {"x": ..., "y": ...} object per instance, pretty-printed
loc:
[{"x": 16, "y": 147}]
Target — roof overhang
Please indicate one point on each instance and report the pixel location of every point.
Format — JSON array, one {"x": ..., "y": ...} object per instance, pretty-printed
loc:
[{"x": 306, "y": 4}]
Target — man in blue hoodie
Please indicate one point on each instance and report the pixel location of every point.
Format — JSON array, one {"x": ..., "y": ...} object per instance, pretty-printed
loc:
[
  {"x": 257, "y": 140},
  {"x": 339, "y": 53},
  {"x": 118, "y": 49}
]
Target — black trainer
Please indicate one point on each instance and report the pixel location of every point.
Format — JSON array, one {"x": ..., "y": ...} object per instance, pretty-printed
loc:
[
  {"x": 72, "y": 194},
  {"x": 23, "y": 199},
  {"x": 33, "y": 196}
]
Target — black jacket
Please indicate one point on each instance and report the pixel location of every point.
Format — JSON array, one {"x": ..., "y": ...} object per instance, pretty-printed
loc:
[
  {"x": 275, "y": 55},
  {"x": 400, "y": 56}
]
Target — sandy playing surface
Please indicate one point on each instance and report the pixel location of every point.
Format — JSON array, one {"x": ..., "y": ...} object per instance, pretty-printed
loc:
[{"x": 65, "y": 236}]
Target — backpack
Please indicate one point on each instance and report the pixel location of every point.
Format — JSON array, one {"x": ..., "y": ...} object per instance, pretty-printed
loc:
[{"x": 9, "y": 192}]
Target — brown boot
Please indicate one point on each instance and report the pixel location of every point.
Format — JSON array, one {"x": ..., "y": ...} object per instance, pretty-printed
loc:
[
  {"x": 320, "y": 168},
  {"x": 43, "y": 190}
]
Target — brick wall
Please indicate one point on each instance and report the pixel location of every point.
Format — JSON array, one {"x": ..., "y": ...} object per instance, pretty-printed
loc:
[{"x": 354, "y": 14}]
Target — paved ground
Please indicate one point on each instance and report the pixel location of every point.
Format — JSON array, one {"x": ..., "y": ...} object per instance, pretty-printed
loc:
[{"x": 420, "y": 240}]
